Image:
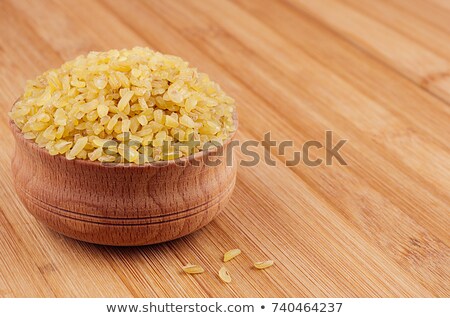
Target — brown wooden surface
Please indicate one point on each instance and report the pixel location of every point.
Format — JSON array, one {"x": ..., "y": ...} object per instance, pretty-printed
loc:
[{"x": 374, "y": 72}]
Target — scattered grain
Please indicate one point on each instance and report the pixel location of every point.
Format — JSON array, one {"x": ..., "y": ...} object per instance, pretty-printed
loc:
[
  {"x": 224, "y": 275},
  {"x": 193, "y": 269},
  {"x": 231, "y": 254},
  {"x": 263, "y": 265}
]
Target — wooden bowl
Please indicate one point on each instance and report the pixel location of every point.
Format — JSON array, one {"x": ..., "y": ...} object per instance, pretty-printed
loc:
[{"x": 119, "y": 204}]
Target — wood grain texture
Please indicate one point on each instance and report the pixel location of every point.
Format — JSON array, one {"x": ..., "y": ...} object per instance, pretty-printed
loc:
[{"x": 373, "y": 72}]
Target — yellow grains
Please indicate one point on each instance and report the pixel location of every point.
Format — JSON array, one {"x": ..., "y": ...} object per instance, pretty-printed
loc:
[
  {"x": 102, "y": 110},
  {"x": 60, "y": 117},
  {"x": 43, "y": 117},
  {"x": 263, "y": 265},
  {"x": 29, "y": 135},
  {"x": 78, "y": 147},
  {"x": 128, "y": 153},
  {"x": 62, "y": 146},
  {"x": 193, "y": 269},
  {"x": 107, "y": 158},
  {"x": 126, "y": 97},
  {"x": 156, "y": 98},
  {"x": 171, "y": 121},
  {"x": 98, "y": 142},
  {"x": 50, "y": 133},
  {"x": 142, "y": 103},
  {"x": 112, "y": 122},
  {"x": 158, "y": 115},
  {"x": 224, "y": 275},
  {"x": 161, "y": 135},
  {"x": 90, "y": 106},
  {"x": 190, "y": 104},
  {"x": 187, "y": 121},
  {"x": 142, "y": 119},
  {"x": 231, "y": 254},
  {"x": 97, "y": 153},
  {"x": 100, "y": 82},
  {"x": 126, "y": 125},
  {"x": 38, "y": 126}
]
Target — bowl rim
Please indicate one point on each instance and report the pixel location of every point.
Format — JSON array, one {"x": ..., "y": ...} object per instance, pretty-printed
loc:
[{"x": 182, "y": 161}]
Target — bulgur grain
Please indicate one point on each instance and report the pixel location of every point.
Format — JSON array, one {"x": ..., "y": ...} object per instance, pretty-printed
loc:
[
  {"x": 158, "y": 98},
  {"x": 231, "y": 254},
  {"x": 224, "y": 275},
  {"x": 264, "y": 264},
  {"x": 193, "y": 269}
]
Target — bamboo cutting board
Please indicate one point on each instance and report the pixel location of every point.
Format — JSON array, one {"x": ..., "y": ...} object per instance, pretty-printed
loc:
[{"x": 376, "y": 73}]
